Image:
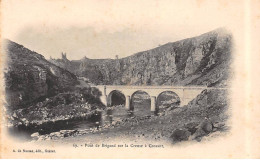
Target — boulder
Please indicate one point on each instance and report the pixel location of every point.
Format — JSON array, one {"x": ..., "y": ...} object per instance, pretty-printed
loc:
[
  {"x": 35, "y": 136},
  {"x": 41, "y": 138},
  {"x": 198, "y": 134},
  {"x": 65, "y": 133},
  {"x": 180, "y": 135},
  {"x": 192, "y": 127},
  {"x": 219, "y": 124},
  {"x": 113, "y": 122},
  {"x": 15, "y": 115},
  {"x": 55, "y": 134},
  {"x": 206, "y": 126}
]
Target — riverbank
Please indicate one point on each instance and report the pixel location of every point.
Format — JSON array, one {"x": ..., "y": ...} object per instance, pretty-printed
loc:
[
  {"x": 76, "y": 105},
  {"x": 203, "y": 118}
]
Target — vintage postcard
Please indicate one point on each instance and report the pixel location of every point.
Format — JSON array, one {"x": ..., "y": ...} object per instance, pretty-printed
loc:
[{"x": 129, "y": 79}]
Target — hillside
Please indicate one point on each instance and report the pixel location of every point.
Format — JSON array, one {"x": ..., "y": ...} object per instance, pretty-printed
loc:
[
  {"x": 30, "y": 77},
  {"x": 201, "y": 60},
  {"x": 44, "y": 94}
]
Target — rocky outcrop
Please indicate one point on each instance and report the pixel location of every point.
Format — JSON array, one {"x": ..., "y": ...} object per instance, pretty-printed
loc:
[
  {"x": 77, "y": 104},
  {"x": 197, "y": 132},
  {"x": 202, "y": 60},
  {"x": 29, "y": 77}
]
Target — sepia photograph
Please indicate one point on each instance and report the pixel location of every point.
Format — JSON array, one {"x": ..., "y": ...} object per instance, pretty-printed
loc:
[{"x": 125, "y": 79}]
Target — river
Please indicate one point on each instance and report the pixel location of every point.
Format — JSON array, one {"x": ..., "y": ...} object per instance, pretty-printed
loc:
[
  {"x": 109, "y": 115},
  {"x": 141, "y": 107}
]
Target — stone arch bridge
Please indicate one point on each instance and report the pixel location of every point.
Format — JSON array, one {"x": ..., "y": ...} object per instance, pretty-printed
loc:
[{"x": 185, "y": 94}]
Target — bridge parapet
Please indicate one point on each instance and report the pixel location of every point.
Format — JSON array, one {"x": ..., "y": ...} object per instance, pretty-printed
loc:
[{"x": 185, "y": 93}]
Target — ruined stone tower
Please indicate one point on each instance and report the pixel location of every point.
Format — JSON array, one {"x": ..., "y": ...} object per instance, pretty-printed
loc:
[{"x": 63, "y": 56}]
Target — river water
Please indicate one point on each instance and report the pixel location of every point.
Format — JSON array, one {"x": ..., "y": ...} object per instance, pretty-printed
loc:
[
  {"x": 141, "y": 107},
  {"x": 98, "y": 119}
]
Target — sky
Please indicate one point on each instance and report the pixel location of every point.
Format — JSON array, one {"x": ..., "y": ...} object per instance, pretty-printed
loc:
[{"x": 105, "y": 28}]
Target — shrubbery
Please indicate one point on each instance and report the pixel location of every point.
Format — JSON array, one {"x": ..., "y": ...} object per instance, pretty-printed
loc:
[{"x": 70, "y": 105}]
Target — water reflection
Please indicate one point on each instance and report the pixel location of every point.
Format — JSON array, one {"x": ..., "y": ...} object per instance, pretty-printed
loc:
[{"x": 97, "y": 120}]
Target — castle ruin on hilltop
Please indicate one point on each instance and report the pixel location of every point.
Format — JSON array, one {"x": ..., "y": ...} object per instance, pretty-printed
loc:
[{"x": 64, "y": 56}]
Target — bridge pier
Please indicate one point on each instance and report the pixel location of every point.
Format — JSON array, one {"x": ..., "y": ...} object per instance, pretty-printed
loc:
[
  {"x": 127, "y": 102},
  {"x": 185, "y": 94},
  {"x": 104, "y": 100},
  {"x": 153, "y": 103}
]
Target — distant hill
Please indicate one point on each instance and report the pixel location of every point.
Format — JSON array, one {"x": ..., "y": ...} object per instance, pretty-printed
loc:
[
  {"x": 201, "y": 60},
  {"x": 29, "y": 76}
]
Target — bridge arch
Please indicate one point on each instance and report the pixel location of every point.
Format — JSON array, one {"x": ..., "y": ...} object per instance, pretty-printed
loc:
[
  {"x": 167, "y": 98},
  {"x": 116, "y": 97},
  {"x": 138, "y": 98},
  {"x": 186, "y": 94}
]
